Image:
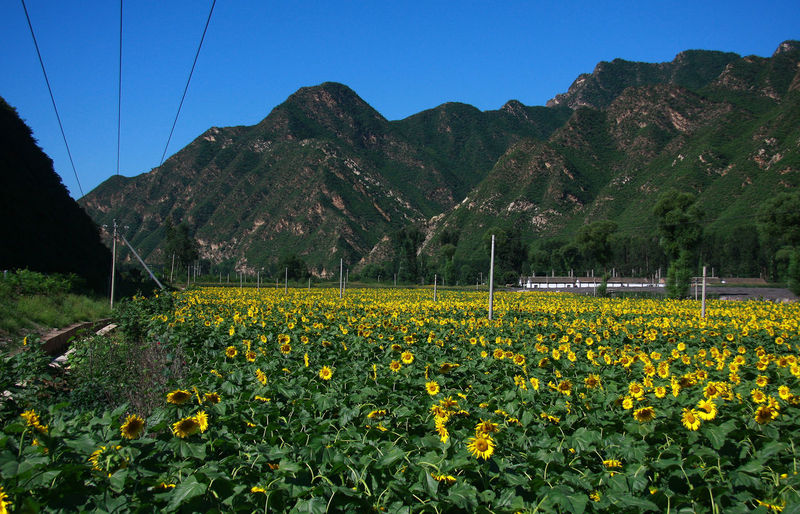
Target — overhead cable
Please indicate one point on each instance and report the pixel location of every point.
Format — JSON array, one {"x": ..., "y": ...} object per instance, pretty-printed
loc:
[
  {"x": 196, "y": 55},
  {"x": 52, "y": 98},
  {"x": 119, "y": 88}
]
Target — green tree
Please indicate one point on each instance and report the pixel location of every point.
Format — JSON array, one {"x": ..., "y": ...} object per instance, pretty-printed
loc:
[
  {"x": 179, "y": 242},
  {"x": 293, "y": 267},
  {"x": 406, "y": 242},
  {"x": 679, "y": 229},
  {"x": 594, "y": 242},
  {"x": 778, "y": 222},
  {"x": 678, "y": 220}
]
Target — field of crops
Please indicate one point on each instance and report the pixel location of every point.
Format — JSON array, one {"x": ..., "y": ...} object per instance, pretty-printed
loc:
[{"x": 386, "y": 400}]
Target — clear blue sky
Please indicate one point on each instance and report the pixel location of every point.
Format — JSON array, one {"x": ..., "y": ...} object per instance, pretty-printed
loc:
[{"x": 400, "y": 57}]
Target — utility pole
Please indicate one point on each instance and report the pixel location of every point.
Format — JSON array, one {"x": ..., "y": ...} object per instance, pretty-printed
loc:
[
  {"x": 341, "y": 277},
  {"x": 286, "y": 280},
  {"x": 113, "y": 261},
  {"x": 172, "y": 269},
  {"x": 491, "y": 282},
  {"x": 434, "y": 286},
  {"x": 703, "y": 305}
]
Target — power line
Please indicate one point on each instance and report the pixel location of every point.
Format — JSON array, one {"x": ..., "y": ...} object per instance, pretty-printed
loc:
[
  {"x": 196, "y": 55},
  {"x": 52, "y": 98},
  {"x": 119, "y": 88}
]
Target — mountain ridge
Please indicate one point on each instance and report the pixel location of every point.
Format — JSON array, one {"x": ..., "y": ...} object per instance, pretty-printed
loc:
[{"x": 325, "y": 176}]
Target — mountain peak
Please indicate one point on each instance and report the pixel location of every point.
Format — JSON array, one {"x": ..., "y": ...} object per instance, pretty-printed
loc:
[{"x": 787, "y": 46}]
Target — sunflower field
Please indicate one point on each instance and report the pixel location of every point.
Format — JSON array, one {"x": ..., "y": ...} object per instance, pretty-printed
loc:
[{"x": 388, "y": 401}]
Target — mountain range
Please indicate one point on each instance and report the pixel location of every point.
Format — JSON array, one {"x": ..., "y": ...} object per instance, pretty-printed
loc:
[{"x": 326, "y": 177}]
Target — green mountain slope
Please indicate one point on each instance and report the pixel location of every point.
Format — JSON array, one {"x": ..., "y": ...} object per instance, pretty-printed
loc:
[
  {"x": 325, "y": 176},
  {"x": 43, "y": 229}
]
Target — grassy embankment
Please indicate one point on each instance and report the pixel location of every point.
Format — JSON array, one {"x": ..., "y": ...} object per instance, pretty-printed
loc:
[{"x": 33, "y": 303}]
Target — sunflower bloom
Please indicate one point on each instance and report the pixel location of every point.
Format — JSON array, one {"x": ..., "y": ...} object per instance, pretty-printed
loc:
[
  {"x": 133, "y": 427},
  {"x": 261, "y": 376},
  {"x": 4, "y": 503},
  {"x": 706, "y": 410},
  {"x": 690, "y": 419},
  {"x": 325, "y": 373},
  {"x": 202, "y": 420},
  {"x": 185, "y": 427},
  {"x": 211, "y": 397},
  {"x": 765, "y": 414},
  {"x": 447, "y": 479},
  {"x": 432, "y": 387},
  {"x": 407, "y": 357},
  {"x": 644, "y": 414},
  {"x": 592, "y": 381},
  {"x": 395, "y": 366},
  {"x": 486, "y": 427},
  {"x": 179, "y": 396},
  {"x": 231, "y": 352},
  {"x": 481, "y": 446}
]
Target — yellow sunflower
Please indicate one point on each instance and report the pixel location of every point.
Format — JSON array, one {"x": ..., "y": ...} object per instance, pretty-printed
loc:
[
  {"x": 231, "y": 352},
  {"x": 185, "y": 427},
  {"x": 261, "y": 376},
  {"x": 690, "y": 419},
  {"x": 486, "y": 427},
  {"x": 432, "y": 387},
  {"x": 211, "y": 397},
  {"x": 706, "y": 410},
  {"x": 286, "y": 348},
  {"x": 407, "y": 357},
  {"x": 447, "y": 479},
  {"x": 481, "y": 446},
  {"x": 202, "y": 420},
  {"x": 395, "y": 366},
  {"x": 133, "y": 427},
  {"x": 592, "y": 381},
  {"x": 325, "y": 373},
  {"x": 644, "y": 414},
  {"x": 765, "y": 414},
  {"x": 565, "y": 387},
  {"x": 4, "y": 503},
  {"x": 179, "y": 396}
]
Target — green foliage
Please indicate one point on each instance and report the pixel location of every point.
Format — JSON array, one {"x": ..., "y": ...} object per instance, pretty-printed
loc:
[
  {"x": 678, "y": 221},
  {"x": 679, "y": 275},
  {"x": 180, "y": 243},
  {"x": 294, "y": 267},
  {"x": 794, "y": 272},
  {"x": 594, "y": 241},
  {"x": 779, "y": 220}
]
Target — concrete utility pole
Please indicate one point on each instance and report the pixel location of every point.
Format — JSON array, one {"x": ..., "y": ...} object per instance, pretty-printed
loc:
[
  {"x": 341, "y": 277},
  {"x": 113, "y": 261},
  {"x": 172, "y": 269},
  {"x": 491, "y": 282},
  {"x": 435, "y": 277},
  {"x": 286, "y": 280},
  {"x": 703, "y": 305}
]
